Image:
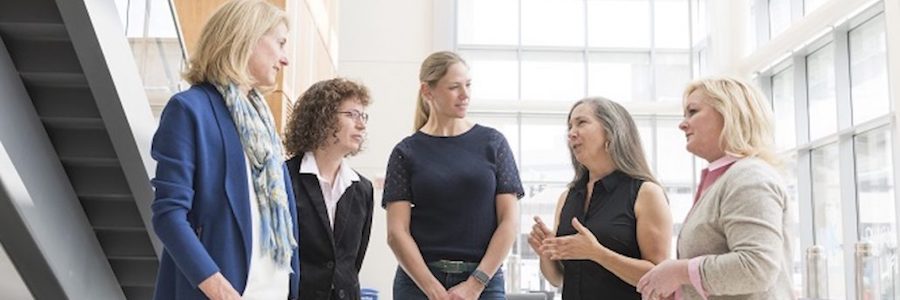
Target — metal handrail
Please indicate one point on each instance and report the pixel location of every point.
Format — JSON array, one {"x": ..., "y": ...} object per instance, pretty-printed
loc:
[{"x": 816, "y": 273}]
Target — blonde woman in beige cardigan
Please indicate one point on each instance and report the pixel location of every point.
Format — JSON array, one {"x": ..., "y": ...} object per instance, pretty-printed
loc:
[{"x": 734, "y": 243}]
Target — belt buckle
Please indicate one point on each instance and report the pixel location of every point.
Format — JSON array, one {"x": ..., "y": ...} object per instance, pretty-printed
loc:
[{"x": 453, "y": 266}]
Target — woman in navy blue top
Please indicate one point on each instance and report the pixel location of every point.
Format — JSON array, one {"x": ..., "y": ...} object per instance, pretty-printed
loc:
[
  {"x": 450, "y": 193},
  {"x": 613, "y": 223}
]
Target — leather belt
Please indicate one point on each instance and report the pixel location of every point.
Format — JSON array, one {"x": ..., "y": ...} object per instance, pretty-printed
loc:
[{"x": 454, "y": 266}]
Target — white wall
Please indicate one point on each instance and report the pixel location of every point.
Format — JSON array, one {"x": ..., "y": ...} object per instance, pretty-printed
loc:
[{"x": 382, "y": 44}]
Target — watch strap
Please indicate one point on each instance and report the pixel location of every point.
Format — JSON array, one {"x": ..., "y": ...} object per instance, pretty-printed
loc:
[{"x": 482, "y": 277}]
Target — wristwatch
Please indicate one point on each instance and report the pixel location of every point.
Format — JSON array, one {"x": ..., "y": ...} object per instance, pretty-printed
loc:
[{"x": 482, "y": 277}]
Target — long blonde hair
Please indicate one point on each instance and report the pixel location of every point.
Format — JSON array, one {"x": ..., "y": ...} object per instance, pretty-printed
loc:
[
  {"x": 747, "y": 128},
  {"x": 433, "y": 69},
  {"x": 227, "y": 40},
  {"x": 624, "y": 140}
]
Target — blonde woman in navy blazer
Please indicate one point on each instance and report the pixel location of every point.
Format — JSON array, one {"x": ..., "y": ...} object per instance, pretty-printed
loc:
[
  {"x": 334, "y": 202},
  {"x": 205, "y": 210}
]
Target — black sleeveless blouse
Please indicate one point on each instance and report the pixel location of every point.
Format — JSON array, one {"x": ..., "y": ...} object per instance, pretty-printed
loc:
[{"x": 610, "y": 216}]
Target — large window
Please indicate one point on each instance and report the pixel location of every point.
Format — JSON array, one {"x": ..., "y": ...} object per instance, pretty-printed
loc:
[
  {"x": 543, "y": 55},
  {"x": 839, "y": 96},
  {"x": 563, "y": 50}
]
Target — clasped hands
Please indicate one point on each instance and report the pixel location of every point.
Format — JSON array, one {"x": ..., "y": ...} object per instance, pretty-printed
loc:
[
  {"x": 659, "y": 283},
  {"x": 581, "y": 245}
]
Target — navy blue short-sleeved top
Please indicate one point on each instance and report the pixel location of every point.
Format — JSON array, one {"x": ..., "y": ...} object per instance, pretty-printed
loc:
[{"x": 452, "y": 183}]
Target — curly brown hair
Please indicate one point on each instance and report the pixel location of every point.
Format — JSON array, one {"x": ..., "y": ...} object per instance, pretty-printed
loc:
[{"x": 314, "y": 116}]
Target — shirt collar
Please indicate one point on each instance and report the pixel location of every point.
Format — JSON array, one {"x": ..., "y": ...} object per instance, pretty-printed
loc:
[
  {"x": 612, "y": 180},
  {"x": 608, "y": 182},
  {"x": 722, "y": 162},
  {"x": 308, "y": 166}
]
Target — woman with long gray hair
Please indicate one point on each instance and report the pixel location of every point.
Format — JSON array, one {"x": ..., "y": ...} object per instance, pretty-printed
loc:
[{"x": 613, "y": 223}]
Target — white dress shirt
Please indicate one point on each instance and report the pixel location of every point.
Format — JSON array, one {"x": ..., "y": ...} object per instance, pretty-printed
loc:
[{"x": 330, "y": 192}]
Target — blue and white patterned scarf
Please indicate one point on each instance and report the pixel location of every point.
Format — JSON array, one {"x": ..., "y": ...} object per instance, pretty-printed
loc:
[{"x": 262, "y": 146}]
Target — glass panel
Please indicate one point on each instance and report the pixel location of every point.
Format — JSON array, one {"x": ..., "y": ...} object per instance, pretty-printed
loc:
[
  {"x": 545, "y": 151},
  {"x": 540, "y": 200},
  {"x": 790, "y": 184},
  {"x": 827, "y": 223},
  {"x": 674, "y": 167},
  {"x": 553, "y": 76},
  {"x": 699, "y": 20},
  {"x": 811, "y": 5},
  {"x": 868, "y": 71},
  {"x": 875, "y": 201},
  {"x": 645, "y": 129},
  {"x": 671, "y": 24},
  {"x": 150, "y": 28},
  {"x": 779, "y": 17},
  {"x": 493, "y": 22},
  {"x": 673, "y": 71},
  {"x": 553, "y": 23},
  {"x": 751, "y": 38},
  {"x": 147, "y": 18},
  {"x": 820, "y": 88},
  {"x": 783, "y": 102},
  {"x": 495, "y": 74},
  {"x": 702, "y": 63},
  {"x": 630, "y": 18},
  {"x": 621, "y": 77}
]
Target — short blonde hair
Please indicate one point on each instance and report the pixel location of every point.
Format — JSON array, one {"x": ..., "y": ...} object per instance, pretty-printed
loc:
[
  {"x": 747, "y": 129},
  {"x": 227, "y": 39}
]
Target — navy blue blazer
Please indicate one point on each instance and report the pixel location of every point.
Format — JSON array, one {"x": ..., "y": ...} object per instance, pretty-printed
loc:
[{"x": 201, "y": 212}]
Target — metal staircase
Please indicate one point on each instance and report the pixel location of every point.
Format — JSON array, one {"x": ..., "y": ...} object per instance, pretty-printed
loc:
[{"x": 76, "y": 136}]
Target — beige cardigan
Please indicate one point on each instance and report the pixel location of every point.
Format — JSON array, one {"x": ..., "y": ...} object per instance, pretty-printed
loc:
[{"x": 741, "y": 225}]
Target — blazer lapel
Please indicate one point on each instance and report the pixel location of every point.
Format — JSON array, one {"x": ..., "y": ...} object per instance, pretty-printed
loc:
[
  {"x": 236, "y": 188},
  {"x": 314, "y": 195},
  {"x": 344, "y": 209}
]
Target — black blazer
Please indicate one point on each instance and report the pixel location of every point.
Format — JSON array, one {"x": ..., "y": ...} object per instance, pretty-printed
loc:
[{"x": 331, "y": 259}]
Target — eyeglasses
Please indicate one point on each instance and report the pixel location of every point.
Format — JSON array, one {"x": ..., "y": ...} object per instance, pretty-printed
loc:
[{"x": 356, "y": 115}]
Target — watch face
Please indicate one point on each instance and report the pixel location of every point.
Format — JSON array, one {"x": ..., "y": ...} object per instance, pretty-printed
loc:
[{"x": 481, "y": 277}]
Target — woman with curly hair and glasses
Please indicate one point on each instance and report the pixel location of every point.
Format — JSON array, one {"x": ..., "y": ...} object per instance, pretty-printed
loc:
[{"x": 334, "y": 205}]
